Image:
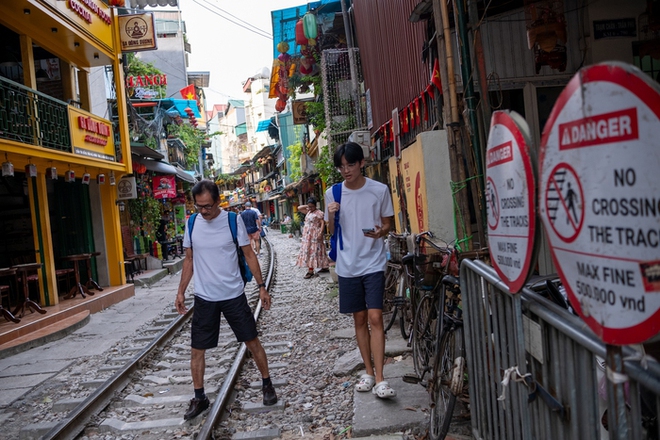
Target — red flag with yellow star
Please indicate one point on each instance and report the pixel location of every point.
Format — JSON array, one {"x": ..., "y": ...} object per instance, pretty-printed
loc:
[
  {"x": 188, "y": 92},
  {"x": 435, "y": 79}
]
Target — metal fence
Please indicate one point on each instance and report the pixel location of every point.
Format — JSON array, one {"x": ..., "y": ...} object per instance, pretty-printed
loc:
[{"x": 537, "y": 372}]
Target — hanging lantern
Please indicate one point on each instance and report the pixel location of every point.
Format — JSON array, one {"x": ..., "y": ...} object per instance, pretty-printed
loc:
[
  {"x": 100, "y": 179},
  {"x": 301, "y": 39},
  {"x": 118, "y": 3},
  {"x": 284, "y": 57},
  {"x": 310, "y": 28},
  {"x": 51, "y": 173},
  {"x": 86, "y": 178},
  {"x": 112, "y": 178},
  {"x": 70, "y": 176},
  {"x": 7, "y": 169},
  {"x": 280, "y": 104},
  {"x": 31, "y": 170},
  {"x": 282, "y": 47}
]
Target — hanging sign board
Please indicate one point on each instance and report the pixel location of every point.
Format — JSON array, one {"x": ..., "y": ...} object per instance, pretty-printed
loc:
[
  {"x": 137, "y": 32},
  {"x": 164, "y": 187},
  {"x": 599, "y": 199},
  {"x": 510, "y": 198},
  {"x": 126, "y": 188}
]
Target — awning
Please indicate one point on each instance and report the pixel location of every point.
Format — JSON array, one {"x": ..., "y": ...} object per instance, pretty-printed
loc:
[
  {"x": 158, "y": 166},
  {"x": 184, "y": 175},
  {"x": 241, "y": 129},
  {"x": 263, "y": 125},
  {"x": 141, "y": 150}
]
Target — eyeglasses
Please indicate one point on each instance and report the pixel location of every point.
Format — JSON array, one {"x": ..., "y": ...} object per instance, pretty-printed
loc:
[
  {"x": 204, "y": 207},
  {"x": 347, "y": 166}
]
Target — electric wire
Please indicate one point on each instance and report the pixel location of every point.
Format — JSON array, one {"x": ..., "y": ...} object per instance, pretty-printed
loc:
[{"x": 260, "y": 33}]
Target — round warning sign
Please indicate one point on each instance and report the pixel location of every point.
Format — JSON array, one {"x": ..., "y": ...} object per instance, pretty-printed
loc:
[
  {"x": 599, "y": 199},
  {"x": 510, "y": 198}
]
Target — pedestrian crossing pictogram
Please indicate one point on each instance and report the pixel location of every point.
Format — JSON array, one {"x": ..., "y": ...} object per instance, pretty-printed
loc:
[
  {"x": 492, "y": 207},
  {"x": 564, "y": 202}
]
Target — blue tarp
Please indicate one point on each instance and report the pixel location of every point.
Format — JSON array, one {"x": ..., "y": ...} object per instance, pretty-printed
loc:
[
  {"x": 180, "y": 106},
  {"x": 263, "y": 125},
  {"x": 284, "y": 21}
]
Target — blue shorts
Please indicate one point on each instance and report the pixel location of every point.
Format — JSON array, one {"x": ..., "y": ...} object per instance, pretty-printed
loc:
[
  {"x": 361, "y": 293},
  {"x": 206, "y": 321}
]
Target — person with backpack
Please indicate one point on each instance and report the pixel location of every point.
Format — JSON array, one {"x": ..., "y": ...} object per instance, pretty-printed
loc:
[
  {"x": 217, "y": 249},
  {"x": 251, "y": 219},
  {"x": 365, "y": 212}
]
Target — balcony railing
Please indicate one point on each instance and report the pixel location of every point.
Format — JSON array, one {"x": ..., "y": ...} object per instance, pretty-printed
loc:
[{"x": 31, "y": 117}]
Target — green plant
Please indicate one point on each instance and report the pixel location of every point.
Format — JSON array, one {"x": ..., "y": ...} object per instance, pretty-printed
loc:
[
  {"x": 191, "y": 137},
  {"x": 315, "y": 111},
  {"x": 294, "y": 225},
  {"x": 325, "y": 166},
  {"x": 295, "y": 151},
  {"x": 136, "y": 67},
  {"x": 145, "y": 215}
]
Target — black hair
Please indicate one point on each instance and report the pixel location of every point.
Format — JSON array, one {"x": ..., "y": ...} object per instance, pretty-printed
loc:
[
  {"x": 311, "y": 201},
  {"x": 208, "y": 186},
  {"x": 350, "y": 150}
]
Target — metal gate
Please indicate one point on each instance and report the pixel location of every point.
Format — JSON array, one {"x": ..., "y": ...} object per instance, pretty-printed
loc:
[{"x": 535, "y": 369}]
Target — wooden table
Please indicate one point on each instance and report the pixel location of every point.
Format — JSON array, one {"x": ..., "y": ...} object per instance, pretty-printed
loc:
[
  {"x": 79, "y": 287},
  {"x": 91, "y": 283},
  {"x": 23, "y": 270},
  {"x": 8, "y": 272}
]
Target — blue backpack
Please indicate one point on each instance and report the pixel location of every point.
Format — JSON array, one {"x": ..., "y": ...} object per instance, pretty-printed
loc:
[
  {"x": 336, "y": 194},
  {"x": 246, "y": 273}
]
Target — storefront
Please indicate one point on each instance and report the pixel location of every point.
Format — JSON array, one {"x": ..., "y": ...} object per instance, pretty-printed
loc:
[{"x": 60, "y": 161}]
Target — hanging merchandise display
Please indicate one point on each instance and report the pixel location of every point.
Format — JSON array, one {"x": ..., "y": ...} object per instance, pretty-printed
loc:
[{"x": 310, "y": 27}]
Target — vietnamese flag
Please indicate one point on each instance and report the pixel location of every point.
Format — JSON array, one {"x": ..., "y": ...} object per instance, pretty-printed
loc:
[
  {"x": 425, "y": 103},
  {"x": 188, "y": 92},
  {"x": 391, "y": 122},
  {"x": 418, "y": 119},
  {"x": 435, "y": 79}
]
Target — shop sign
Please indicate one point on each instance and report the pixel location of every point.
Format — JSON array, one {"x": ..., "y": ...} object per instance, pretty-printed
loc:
[
  {"x": 137, "y": 32},
  {"x": 91, "y": 136},
  {"x": 299, "y": 112},
  {"x": 510, "y": 198},
  {"x": 126, "y": 188},
  {"x": 599, "y": 199},
  {"x": 164, "y": 187},
  {"x": 146, "y": 80},
  {"x": 92, "y": 16},
  {"x": 619, "y": 27}
]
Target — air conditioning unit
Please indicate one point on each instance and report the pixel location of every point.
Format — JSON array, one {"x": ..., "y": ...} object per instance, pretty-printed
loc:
[{"x": 363, "y": 138}]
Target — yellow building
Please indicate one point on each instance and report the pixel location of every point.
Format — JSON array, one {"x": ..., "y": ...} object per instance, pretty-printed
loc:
[{"x": 62, "y": 198}]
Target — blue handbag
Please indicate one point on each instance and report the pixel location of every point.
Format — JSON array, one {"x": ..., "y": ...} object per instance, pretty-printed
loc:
[{"x": 336, "y": 234}]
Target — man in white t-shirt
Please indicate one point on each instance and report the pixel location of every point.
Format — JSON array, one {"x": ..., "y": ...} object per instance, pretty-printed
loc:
[
  {"x": 219, "y": 289},
  {"x": 365, "y": 218}
]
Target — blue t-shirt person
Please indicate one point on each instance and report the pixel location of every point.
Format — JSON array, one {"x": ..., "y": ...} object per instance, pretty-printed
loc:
[{"x": 250, "y": 218}]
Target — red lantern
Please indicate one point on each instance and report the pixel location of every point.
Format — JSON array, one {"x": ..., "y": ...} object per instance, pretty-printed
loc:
[
  {"x": 280, "y": 105},
  {"x": 301, "y": 39},
  {"x": 118, "y": 3}
]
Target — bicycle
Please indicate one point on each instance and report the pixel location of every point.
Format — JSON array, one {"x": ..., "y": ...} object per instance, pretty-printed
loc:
[
  {"x": 397, "y": 301},
  {"x": 430, "y": 262}
]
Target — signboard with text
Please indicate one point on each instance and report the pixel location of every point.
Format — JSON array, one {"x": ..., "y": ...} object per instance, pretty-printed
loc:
[
  {"x": 510, "y": 198},
  {"x": 137, "y": 32},
  {"x": 164, "y": 187},
  {"x": 91, "y": 136},
  {"x": 599, "y": 199}
]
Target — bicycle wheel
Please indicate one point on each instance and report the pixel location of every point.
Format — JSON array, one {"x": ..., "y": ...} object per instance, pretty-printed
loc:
[
  {"x": 389, "y": 301},
  {"x": 423, "y": 335},
  {"x": 403, "y": 305},
  {"x": 448, "y": 374}
]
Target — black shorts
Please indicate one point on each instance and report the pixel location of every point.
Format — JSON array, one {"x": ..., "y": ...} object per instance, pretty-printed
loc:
[
  {"x": 206, "y": 321},
  {"x": 361, "y": 293}
]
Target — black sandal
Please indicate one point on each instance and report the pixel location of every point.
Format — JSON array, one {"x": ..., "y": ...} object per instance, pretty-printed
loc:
[{"x": 308, "y": 275}]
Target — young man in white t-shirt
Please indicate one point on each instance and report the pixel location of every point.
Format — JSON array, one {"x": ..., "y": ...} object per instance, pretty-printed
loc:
[
  {"x": 219, "y": 289},
  {"x": 365, "y": 218}
]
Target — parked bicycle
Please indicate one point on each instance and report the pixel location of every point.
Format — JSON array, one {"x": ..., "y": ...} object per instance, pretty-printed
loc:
[{"x": 397, "y": 302}]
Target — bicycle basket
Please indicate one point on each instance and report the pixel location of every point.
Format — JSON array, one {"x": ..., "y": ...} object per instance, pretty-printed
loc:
[
  {"x": 435, "y": 266},
  {"x": 398, "y": 248}
]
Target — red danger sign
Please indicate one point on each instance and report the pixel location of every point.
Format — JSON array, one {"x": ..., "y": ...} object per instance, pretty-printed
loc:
[
  {"x": 599, "y": 199},
  {"x": 510, "y": 199}
]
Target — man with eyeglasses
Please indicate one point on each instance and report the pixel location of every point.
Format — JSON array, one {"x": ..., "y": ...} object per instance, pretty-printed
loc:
[
  {"x": 219, "y": 289},
  {"x": 365, "y": 219}
]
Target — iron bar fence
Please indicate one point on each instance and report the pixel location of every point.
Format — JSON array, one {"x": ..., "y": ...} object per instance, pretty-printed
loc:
[{"x": 536, "y": 371}]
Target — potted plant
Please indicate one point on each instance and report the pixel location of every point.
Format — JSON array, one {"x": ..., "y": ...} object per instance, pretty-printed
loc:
[{"x": 294, "y": 227}]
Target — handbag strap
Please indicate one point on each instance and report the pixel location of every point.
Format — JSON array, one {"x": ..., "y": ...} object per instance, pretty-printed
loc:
[{"x": 336, "y": 194}]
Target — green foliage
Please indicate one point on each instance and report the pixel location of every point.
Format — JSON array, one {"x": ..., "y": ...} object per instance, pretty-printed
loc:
[
  {"x": 145, "y": 215},
  {"x": 136, "y": 67},
  {"x": 294, "y": 225},
  {"x": 295, "y": 151},
  {"x": 226, "y": 179},
  {"x": 191, "y": 137},
  {"x": 315, "y": 112},
  {"x": 325, "y": 166}
]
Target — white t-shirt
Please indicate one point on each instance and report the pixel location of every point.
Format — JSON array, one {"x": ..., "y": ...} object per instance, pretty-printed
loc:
[
  {"x": 215, "y": 262},
  {"x": 361, "y": 209}
]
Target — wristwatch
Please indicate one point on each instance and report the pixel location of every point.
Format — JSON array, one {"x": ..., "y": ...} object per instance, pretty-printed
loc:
[{"x": 261, "y": 285}]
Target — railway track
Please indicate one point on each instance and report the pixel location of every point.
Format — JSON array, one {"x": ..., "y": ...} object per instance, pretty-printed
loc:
[{"x": 148, "y": 389}]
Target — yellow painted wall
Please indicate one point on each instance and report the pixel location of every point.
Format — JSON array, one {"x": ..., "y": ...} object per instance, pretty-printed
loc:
[{"x": 414, "y": 182}]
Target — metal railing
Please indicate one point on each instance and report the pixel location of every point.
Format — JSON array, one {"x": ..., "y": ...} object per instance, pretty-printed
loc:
[
  {"x": 549, "y": 360},
  {"x": 31, "y": 117}
]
